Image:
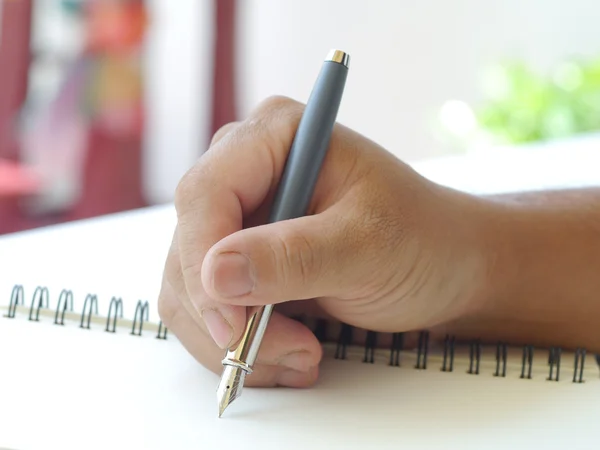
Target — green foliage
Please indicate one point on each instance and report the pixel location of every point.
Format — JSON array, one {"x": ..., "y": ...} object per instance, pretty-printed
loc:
[
  {"x": 525, "y": 106},
  {"x": 72, "y": 6}
]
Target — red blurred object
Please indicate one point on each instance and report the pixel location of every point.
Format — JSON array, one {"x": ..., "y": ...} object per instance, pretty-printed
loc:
[
  {"x": 15, "y": 32},
  {"x": 223, "y": 102},
  {"x": 113, "y": 176},
  {"x": 115, "y": 25},
  {"x": 16, "y": 182}
]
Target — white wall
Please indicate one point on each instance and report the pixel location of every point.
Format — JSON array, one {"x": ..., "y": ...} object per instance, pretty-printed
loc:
[
  {"x": 408, "y": 57},
  {"x": 179, "y": 75}
]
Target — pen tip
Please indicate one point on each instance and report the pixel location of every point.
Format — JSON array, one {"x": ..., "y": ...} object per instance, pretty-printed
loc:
[
  {"x": 230, "y": 387},
  {"x": 222, "y": 408}
]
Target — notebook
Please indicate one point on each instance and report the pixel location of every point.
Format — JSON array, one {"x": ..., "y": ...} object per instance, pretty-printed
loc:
[
  {"x": 69, "y": 380},
  {"x": 70, "y": 386}
]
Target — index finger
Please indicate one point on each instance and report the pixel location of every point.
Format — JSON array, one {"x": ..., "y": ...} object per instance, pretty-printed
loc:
[{"x": 230, "y": 182}]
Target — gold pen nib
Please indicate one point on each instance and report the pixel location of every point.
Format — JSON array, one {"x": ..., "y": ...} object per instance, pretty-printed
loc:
[{"x": 230, "y": 387}]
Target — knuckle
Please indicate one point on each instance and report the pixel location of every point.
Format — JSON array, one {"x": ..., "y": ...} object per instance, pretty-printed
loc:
[
  {"x": 276, "y": 111},
  {"x": 222, "y": 132},
  {"x": 297, "y": 259},
  {"x": 185, "y": 191},
  {"x": 275, "y": 103},
  {"x": 273, "y": 123}
]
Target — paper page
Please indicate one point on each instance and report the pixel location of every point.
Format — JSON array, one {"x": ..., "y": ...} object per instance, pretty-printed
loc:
[
  {"x": 67, "y": 388},
  {"x": 120, "y": 255},
  {"x": 64, "y": 387}
]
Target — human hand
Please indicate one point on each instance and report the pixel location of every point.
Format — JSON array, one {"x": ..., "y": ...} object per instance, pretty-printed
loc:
[{"x": 381, "y": 248}]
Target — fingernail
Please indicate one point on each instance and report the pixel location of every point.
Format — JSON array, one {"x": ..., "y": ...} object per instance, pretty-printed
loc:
[
  {"x": 233, "y": 275},
  {"x": 300, "y": 360},
  {"x": 295, "y": 379},
  {"x": 219, "y": 329}
]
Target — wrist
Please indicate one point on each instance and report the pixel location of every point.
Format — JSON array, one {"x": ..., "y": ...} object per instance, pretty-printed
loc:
[
  {"x": 478, "y": 269},
  {"x": 503, "y": 238},
  {"x": 540, "y": 258},
  {"x": 489, "y": 246},
  {"x": 541, "y": 253}
]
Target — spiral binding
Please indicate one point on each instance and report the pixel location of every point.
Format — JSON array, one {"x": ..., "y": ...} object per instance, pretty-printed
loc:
[
  {"x": 474, "y": 357},
  {"x": 422, "y": 349},
  {"x": 321, "y": 328},
  {"x": 118, "y": 312},
  {"x": 396, "y": 349},
  {"x": 501, "y": 357},
  {"x": 448, "y": 362},
  {"x": 344, "y": 340},
  {"x": 41, "y": 294},
  {"x": 89, "y": 312},
  {"x": 63, "y": 301},
  {"x": 93, "y": 299}
]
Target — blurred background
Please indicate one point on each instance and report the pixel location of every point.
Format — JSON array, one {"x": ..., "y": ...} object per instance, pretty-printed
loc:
[{"x": 104, "y": 104}]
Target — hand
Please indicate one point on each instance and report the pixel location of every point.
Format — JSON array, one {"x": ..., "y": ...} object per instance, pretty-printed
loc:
[{"x": 382, "y": 248}]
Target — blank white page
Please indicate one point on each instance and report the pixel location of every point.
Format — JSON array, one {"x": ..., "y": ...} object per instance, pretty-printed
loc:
[
  {"x": 119, "y": 255},
  {"x": 67, "y": 388}
]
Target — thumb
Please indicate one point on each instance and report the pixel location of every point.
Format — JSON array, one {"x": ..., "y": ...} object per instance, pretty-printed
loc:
[{"x": 294, "y": 259}]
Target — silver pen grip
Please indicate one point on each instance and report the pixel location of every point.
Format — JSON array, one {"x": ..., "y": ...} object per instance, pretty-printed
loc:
[{"x": 244, "y": 355}]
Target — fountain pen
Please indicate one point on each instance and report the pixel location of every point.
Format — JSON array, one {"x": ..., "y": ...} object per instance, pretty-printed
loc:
[{"x": 292, "y": 199}]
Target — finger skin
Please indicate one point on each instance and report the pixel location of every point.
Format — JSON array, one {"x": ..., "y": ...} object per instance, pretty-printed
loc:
[
  {"x": 172, "y": 275},
  {"x": 284, "y": 337},
  {"x": 228, "y": 183},
  {"x": 228, "y": 188},
  {"x": 222, "y": 132},
  {"x": 289, "y": 354},
  {"x": 308, "y": 257}
]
